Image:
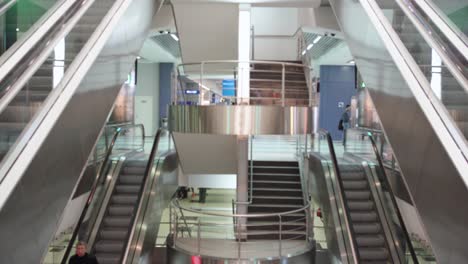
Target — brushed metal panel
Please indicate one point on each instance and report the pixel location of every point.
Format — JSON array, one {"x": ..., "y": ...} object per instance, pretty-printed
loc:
[
  {"x": 241, "y": 119},
  {"x": 436, "y": 186},
  {"x": 33, "y": 210}
]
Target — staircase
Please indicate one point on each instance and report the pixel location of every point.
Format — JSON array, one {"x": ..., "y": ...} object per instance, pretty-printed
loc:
[
  {"x": 266, "y": 80},
  {"x": 29, "y": 100},
  {"x": 114, "y": 229},
  {"x": 365, "y": 221},
  {"x": 276, "y": 188}
]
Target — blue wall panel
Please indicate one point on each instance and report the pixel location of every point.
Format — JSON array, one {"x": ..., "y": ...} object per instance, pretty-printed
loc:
[
  {"x": 337, "y": 86},
  {"x": 165, "y": 84}
]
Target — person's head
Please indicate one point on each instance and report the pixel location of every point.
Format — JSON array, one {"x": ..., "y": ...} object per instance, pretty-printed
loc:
[
  {"x": 348, "y": 107},
  {"x": 80, "y": 248}
]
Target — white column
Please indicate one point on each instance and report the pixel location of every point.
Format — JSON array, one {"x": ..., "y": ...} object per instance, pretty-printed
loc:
[{"x": 243, "y": 81}]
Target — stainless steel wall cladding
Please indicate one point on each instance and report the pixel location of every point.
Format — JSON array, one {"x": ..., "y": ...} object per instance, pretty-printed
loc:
[{"x": 241, "y": 119}]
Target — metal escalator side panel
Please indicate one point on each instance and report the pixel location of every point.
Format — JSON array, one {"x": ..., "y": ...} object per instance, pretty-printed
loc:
[
  {"x": 431, "y": 156},
  {"x": 59, "y": 147}
]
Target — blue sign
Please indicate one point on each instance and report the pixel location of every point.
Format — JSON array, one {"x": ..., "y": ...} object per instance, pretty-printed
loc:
[
  {"x": 192, "y": 91},
  {"x": 229, "y": 87}
]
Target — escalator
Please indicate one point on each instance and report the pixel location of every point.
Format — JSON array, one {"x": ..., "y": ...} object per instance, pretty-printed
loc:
[
  {"x": 414, "y": 65},
  {"x": 58, "y": 84},
  {"x": 121, "y": 218}
]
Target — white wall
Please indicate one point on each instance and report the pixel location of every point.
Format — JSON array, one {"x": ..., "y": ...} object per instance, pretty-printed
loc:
[
  {"x": 274, "y": 33},
  {"x": 321, "y": 19},
  {"x": 147, "y": 96},
  {"x": 339, "y": 55}
]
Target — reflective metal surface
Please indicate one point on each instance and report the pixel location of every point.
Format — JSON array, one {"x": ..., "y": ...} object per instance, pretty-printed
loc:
[
  {"x": 43, "y": 177},
  {"x": 240, "y": 119},
  {"x": 433, "y": 166}
]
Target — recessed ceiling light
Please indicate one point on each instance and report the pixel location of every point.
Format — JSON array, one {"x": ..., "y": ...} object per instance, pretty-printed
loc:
[
  {"x": 317, "y": 39},
  {"x": 138, "y": 57},
  {"x": 174, "y": 36},
  {"x": 310, "y": 46},
  {"x": 304, "y": 52},
  {"x": 351, "y": 62}
]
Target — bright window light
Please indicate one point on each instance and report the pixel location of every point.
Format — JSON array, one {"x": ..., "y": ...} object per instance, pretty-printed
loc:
[
  {"x": 304, "y": 52},
  {"x": 351, "y": 62},
  {"x": 59, "y": 63},
  {"x": 436, "y": 78},
  {"x": 174, "y": 36},
  {"x": 310, "y": 46},
  {"x": 244, "y": 54},
  {"x": 317, "y": 39}
]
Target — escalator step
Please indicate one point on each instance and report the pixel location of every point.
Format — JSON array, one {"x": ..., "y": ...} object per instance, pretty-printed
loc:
[
  {"x": 123, "y": 199},
  {"x": 355, "y": 185},
  {"x": 370, "y": 241},
  {"x": 367, "y": 228},
  {"x": 357, "y": 195},
  {"x": 363, "y": 217},
  {"x": 111, "y": 221},
  {"x": 361, "y": 206},
  {"x": 131, "y": 179},
  {"x": 134, "y": 170},
  {"x": 371, "y": 254},
  {"x": 353, "y": 176},
  {"x": 114, "y": 234},
  {"x": 128, "y": 189},
  {"x": 109, "y": 246},
  {"x": 121, "y": 210},
  {"x": 108, "y": 258}
]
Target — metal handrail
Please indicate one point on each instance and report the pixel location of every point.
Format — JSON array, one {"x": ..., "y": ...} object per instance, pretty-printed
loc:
[
  {"x": 6, "y": 5},
  {"x": 344, "y": 205},
  {"x": 98, "y": 179},
  {"x": 392, "y": 198},
  {"x": 146, "y": 177},
  {"x": 249, "y": 62}
]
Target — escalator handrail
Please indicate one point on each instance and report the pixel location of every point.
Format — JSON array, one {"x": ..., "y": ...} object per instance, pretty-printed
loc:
[
  {"x": 392, "y": 197},
  {"x": 347, "y": 216},
  {"x": 6, "y": 5},
  {"x": 95, "y": 185},
  {"x": 146, "y": 176},
  {"x": 447, "y": 27}
]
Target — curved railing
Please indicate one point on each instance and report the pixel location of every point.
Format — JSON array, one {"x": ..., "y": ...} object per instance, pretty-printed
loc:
[
  {"x": 234, "y": 232},
  {"x": 100, "y": 178},
  {"x": 203, "y": 74}
]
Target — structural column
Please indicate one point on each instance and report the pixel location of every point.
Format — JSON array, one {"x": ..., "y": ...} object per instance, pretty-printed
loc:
[{"x": 242, "y": 181}]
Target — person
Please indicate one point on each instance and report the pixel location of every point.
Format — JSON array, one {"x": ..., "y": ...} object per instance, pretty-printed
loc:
[
  {"x": 81, "y": 256},
  {"x": 345, "y": 118},
  {"x": 202, "y": 195}
]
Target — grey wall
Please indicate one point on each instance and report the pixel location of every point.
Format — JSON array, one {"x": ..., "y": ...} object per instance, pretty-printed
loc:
[
  {"x": 165, "y": 84},
  {"x": 337, "y": 85}
]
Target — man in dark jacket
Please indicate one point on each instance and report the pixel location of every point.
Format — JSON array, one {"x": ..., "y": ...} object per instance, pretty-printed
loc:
[{"x": 81, "y": 257}]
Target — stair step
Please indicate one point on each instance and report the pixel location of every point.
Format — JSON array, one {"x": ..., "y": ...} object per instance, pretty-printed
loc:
[
  {"x": 353, "y": 176},
  {"x": 296, "y": 217},
  {"x": 269, "y": 208},
  {"x": 108, "y": 258},
  {"x": 275, "y": 163},
  {"x": 134, "y": 170},
  {"x": 276, "y": 184},
  {"x": 277, "y": 192},
  {"x": 131, "y": 179},
  {"x": 298, "y": 200},
  {"x": 128, "y": 189}
]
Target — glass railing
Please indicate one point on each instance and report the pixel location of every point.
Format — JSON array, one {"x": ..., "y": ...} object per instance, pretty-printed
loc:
[
  {"x": 126, "y": 140},
  {"x": 444, "y": 67},
  {"x": 368, "y": 145},
  {"x": 18, "y": 18},
  {"x": 23, "y": 92}
]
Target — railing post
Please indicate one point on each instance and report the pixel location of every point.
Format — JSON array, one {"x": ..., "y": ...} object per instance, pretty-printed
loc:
[
  {"x": 251, "y": 169},
  {"x": 306, "y": 143},
  {"x": 200, "y": 86},
  {"x": 238, "y": 240},
  {"x": 283, "y": 83},
  {"x": 280, "y": 237},
  {"x": 307, "y": 212},
  {"x": 198, "y": 237},
  {"x": 311, "y": 86}
]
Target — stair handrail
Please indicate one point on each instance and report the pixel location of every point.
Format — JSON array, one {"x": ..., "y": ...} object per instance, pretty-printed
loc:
[
  {"x": 247, "y": 62},
  {"x": 99, "y": 178},
  {"x": 347, "y": 215},
  {"x": 392, "y": 198},
  {"x": 6, "y": 5}
]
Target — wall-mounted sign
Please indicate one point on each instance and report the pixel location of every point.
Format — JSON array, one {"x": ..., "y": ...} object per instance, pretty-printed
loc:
[
  {"x": 229, "y": 87},
  {"x": 192, "y": 91}
]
